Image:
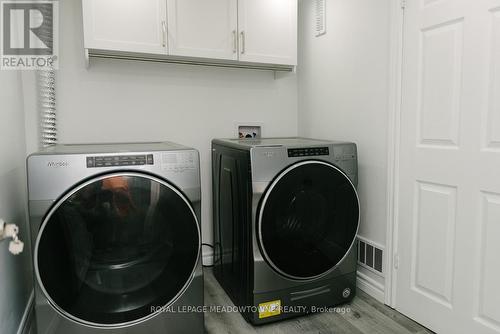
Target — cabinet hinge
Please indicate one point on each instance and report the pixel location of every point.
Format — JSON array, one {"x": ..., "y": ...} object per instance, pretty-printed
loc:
[
  {"x": 396, "y": 261},
  {"x": 403, "y": 4}
]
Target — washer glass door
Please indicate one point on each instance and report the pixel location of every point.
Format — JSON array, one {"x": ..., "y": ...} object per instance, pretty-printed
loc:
[
  {"x": 308, "y": 220},
  {"x": 115, "y": 247}
]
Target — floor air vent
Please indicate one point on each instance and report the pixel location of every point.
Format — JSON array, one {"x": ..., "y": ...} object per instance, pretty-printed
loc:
[{"x": 370, "y": 256}]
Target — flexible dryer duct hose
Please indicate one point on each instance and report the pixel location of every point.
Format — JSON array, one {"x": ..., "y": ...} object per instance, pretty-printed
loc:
[
  {"x": 47, "y": 107},
  {"x": 46, "y": 82}
]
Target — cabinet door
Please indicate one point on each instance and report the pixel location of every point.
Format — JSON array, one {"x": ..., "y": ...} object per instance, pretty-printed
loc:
[
  {"x": 268, "y": 31},
  {"x": 205, "y": 29},
  {"x": 137, "y": 26}
]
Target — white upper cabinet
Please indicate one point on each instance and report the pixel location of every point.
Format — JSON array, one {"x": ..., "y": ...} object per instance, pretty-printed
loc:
[
  {"x": 203, "y": 28},
  {"x": 137, "y": 26},
  {"x": 246, "y": 33},
  {"x": 268, "y": 31}
]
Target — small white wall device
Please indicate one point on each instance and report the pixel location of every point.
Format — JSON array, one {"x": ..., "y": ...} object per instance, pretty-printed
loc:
[{"x": 11, "y": 231}]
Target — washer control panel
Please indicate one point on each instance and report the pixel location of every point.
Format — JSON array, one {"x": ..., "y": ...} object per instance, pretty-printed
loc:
[
  {"x": 120, "y": 160},
  {"x": 178, "y": 161},
  {"x": 307, "y": 152}
]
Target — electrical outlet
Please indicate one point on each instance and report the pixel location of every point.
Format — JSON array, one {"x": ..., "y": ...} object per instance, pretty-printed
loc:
[{"x": 249, "y": 131}]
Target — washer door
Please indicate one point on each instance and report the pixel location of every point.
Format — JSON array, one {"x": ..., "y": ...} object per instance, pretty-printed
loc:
[
  {"x": 308, "y": 220},
  {"x": 115, "y": 247}
]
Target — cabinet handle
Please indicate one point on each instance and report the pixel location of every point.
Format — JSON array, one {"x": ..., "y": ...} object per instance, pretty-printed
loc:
[
  {"x": 242, "y": 42},
  {"x": 235, "y": 41},
  {"x": 164, "y": 30}
]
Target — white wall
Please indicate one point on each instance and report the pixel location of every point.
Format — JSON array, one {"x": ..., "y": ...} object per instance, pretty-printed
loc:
[
  {"x": 15, "y": 271},
  {"x": 120, "y": 101},
  {"x": 343, "y": 93}
]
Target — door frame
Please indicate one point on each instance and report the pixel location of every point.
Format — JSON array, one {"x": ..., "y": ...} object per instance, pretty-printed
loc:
[{"x": 397, "y": 9}]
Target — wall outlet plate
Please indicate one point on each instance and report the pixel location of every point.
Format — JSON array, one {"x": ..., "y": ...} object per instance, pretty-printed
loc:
[{"x": 249, "y": 130}]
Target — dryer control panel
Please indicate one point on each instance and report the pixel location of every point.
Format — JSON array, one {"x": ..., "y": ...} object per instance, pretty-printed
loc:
[
  {"x": 120, "y": 160},
  {"x": 307, "y": 151}
]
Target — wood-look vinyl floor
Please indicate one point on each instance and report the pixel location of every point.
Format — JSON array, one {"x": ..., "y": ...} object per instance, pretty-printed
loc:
[{"x": 366, "y": 316}]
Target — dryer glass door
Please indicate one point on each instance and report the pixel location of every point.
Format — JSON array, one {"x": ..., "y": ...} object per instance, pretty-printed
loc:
[
  {"x": 115, "y": 247},
  {"x": 308, "y": 220}
]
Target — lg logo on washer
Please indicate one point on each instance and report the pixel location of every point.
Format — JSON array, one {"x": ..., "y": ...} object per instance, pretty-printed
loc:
[{"x": 57, "y": 164}]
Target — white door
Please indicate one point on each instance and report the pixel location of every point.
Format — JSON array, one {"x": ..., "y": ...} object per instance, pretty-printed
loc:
[
  {"x": 268, "y": 31},
  {"x": 207, "y": 29},
  {"x": 449, "y": 182},
  {"x": 125, "y": 25}
]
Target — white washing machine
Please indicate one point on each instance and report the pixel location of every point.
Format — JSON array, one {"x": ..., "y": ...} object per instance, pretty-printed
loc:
[{"x": 116, "y": 238}]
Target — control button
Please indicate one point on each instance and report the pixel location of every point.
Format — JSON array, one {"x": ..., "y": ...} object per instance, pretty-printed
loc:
[
  {"x": 99, "y": 164},
  {"x": 90, "y": 162},
  {"x": 309, "y": 151},
  {"x": 150, "y": 160}
]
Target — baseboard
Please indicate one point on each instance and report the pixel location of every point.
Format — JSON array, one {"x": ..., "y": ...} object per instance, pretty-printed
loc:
[
  {"x": 208, "y": 258},
  {"x": 28, "y": 316},
  {"x": 371, "y": 287}
]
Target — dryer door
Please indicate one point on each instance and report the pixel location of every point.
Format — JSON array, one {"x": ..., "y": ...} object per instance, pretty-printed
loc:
[
  {"x": 308, "y": 220},
  {"x": 116, "y": 248}
]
